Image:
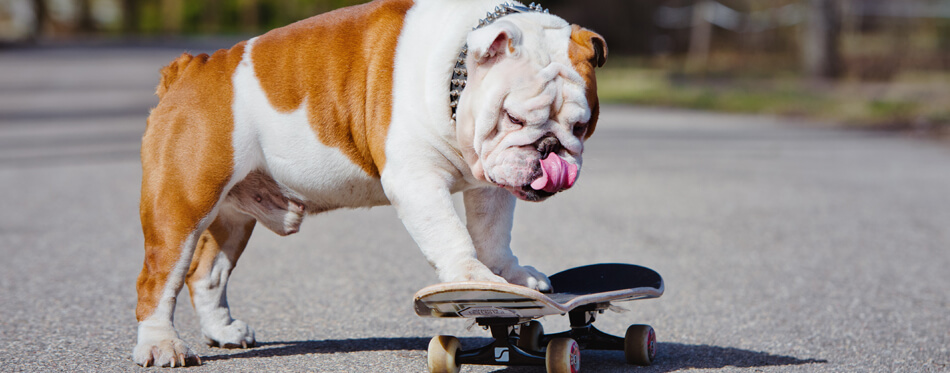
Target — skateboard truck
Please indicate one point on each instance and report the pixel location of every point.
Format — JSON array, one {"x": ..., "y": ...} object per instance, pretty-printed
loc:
[
  {"x": 505, "y": 332},
  {"x": 586, "y": 335},
  {"x": 504, "y": 349}
]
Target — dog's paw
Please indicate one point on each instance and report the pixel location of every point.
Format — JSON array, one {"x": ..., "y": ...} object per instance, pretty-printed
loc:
[
  {"x": 471, "y": 270},
  {"x": 237, "y": 334},
  {"x": 159, "y": 345},
  {"x": 527, "y": 276},
  {"x": 164, "y": 353}
]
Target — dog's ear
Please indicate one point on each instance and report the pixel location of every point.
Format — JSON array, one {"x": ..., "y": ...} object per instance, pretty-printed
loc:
[
  {"x": 591, "y": 44},
  {"x": 600, "y": 49},
  {"x": 497, "y": 40}
]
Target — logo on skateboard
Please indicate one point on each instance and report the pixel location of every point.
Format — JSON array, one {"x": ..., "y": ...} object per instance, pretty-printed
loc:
[
  {"x": 487, "y": 311},
  {"x": 501, "y": 354}
]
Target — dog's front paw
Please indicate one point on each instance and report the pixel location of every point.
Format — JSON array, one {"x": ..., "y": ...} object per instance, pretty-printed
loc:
[
  {"x": 237, "y": 334},
  {"x": 470, "y": 270},
  {"x": 527, "y": 276},
  {"x": 171, "y": 352}
]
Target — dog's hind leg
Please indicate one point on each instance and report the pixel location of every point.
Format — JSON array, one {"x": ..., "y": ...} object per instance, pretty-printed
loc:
[
  {"x": 173, "y": 222},
  {"x": 217, "y": 252},
  {"x": 183, "y": 226},
  {"x": 188, "y": 165},
  {"x": 171, "y": 235}
]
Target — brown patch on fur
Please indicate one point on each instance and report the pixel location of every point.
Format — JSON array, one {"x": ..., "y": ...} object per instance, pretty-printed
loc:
[
  {"x": 587, "y": 51},
  {"x": 170, "y": 73},
  {"x": 341, "y": 64},
  {"x": 187, "y": 161}
]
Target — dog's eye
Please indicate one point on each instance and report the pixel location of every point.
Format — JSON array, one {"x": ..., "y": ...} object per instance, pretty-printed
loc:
[
  {"x": 515, "y": 120},
  {"x": 580, "y": 129}
]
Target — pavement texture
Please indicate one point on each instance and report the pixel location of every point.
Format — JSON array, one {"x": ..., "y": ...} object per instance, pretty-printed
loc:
[{"x": 785, "y": 246}]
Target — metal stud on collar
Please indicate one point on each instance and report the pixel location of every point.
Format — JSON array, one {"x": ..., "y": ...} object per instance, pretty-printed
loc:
[{"x": 460, "y": 73}]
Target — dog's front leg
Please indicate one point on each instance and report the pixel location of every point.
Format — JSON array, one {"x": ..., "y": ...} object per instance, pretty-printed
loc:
[
  {"x": 489, "y": 213},
  {"x": 424, "y": 204}
]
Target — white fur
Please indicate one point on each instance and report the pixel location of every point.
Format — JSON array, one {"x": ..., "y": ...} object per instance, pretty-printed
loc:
[
  {"x": 209, "y": 294},
  {"x": 426, "y": 151}
]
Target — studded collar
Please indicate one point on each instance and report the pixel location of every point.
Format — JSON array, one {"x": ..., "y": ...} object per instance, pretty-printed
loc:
[{"x": 460, "y": 73}]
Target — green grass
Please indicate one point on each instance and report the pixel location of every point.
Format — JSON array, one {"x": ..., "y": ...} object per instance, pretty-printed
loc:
[{"x": 907, "y": 102}]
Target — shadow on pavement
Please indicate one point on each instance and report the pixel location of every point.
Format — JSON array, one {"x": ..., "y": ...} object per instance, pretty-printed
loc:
[
  {"x": 272, "y": 349},
  {"x": 678, "y": 356},
  {"x": 673, "y": 356}
]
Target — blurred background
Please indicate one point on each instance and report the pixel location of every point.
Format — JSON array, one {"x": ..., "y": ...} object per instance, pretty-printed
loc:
[{"x": 870, "y": 63}]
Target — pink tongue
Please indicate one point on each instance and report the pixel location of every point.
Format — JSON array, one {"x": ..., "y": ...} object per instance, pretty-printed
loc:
[{"x": 557, "y": 174}]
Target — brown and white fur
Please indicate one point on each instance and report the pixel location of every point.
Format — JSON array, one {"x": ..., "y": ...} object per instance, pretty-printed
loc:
[{"x": 351, "y": 109}]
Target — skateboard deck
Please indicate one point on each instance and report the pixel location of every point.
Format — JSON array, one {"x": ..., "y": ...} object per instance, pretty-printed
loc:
[
  {"x": 507, "y": 310},
  {"x": 598, "y": 284}
]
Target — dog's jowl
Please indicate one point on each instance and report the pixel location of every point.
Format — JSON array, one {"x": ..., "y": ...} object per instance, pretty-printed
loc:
[{"x": 395, "y": 102}]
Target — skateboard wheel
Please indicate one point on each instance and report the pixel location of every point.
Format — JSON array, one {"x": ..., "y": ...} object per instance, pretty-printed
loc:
[
  {"x": 639, "y": 345},
  {"x": 563, "y": 356},
  {"x": 529, "y": 338},
  {"x": 442, "y": 352}
]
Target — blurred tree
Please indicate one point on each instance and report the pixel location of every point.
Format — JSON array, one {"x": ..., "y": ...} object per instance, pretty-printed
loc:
[
  {"x": 86, "y": 23},
  {"x": 249, "y": 15},
  {"x": 172, "y": 16},
  {"x": 211, "y": 16},
  {"x": 699, "y": 38},
  {"x": 130, "y": 17},
  {"x": 821, "y": 57},
  {"x": 42, "y": 17}
]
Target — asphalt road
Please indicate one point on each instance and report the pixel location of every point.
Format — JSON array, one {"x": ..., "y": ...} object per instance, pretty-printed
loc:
[{"x": 784, "y": 246}]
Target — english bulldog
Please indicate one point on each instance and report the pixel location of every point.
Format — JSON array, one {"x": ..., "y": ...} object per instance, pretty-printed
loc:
[{"x": 395, "y": 102}]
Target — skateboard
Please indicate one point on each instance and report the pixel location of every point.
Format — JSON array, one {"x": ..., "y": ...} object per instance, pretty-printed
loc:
[{"x": 509, "y": 312}]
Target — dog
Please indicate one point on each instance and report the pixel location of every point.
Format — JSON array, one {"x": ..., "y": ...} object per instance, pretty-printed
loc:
[{"x": 396, "y": 102}]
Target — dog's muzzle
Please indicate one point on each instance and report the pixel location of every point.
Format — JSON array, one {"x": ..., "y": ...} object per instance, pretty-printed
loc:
[{"x": 547, "y": 145}]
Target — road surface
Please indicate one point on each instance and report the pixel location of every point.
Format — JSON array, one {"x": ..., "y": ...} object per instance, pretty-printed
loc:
[{"x": 785, "y": 246}]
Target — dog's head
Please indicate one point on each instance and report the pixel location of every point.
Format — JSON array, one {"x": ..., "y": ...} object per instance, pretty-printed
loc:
[{"x": 530, "y": 102}]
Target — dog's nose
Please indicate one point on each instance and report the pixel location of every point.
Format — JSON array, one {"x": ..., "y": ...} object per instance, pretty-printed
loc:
[{"x": 547, "y": 145}]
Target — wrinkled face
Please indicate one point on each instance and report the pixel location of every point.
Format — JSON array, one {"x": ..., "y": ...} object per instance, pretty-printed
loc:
[{"x": 530, "y": 103}]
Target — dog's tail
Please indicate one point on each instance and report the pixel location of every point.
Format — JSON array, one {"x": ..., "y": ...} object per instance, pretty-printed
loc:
[{"x": 171, "y": 73}]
